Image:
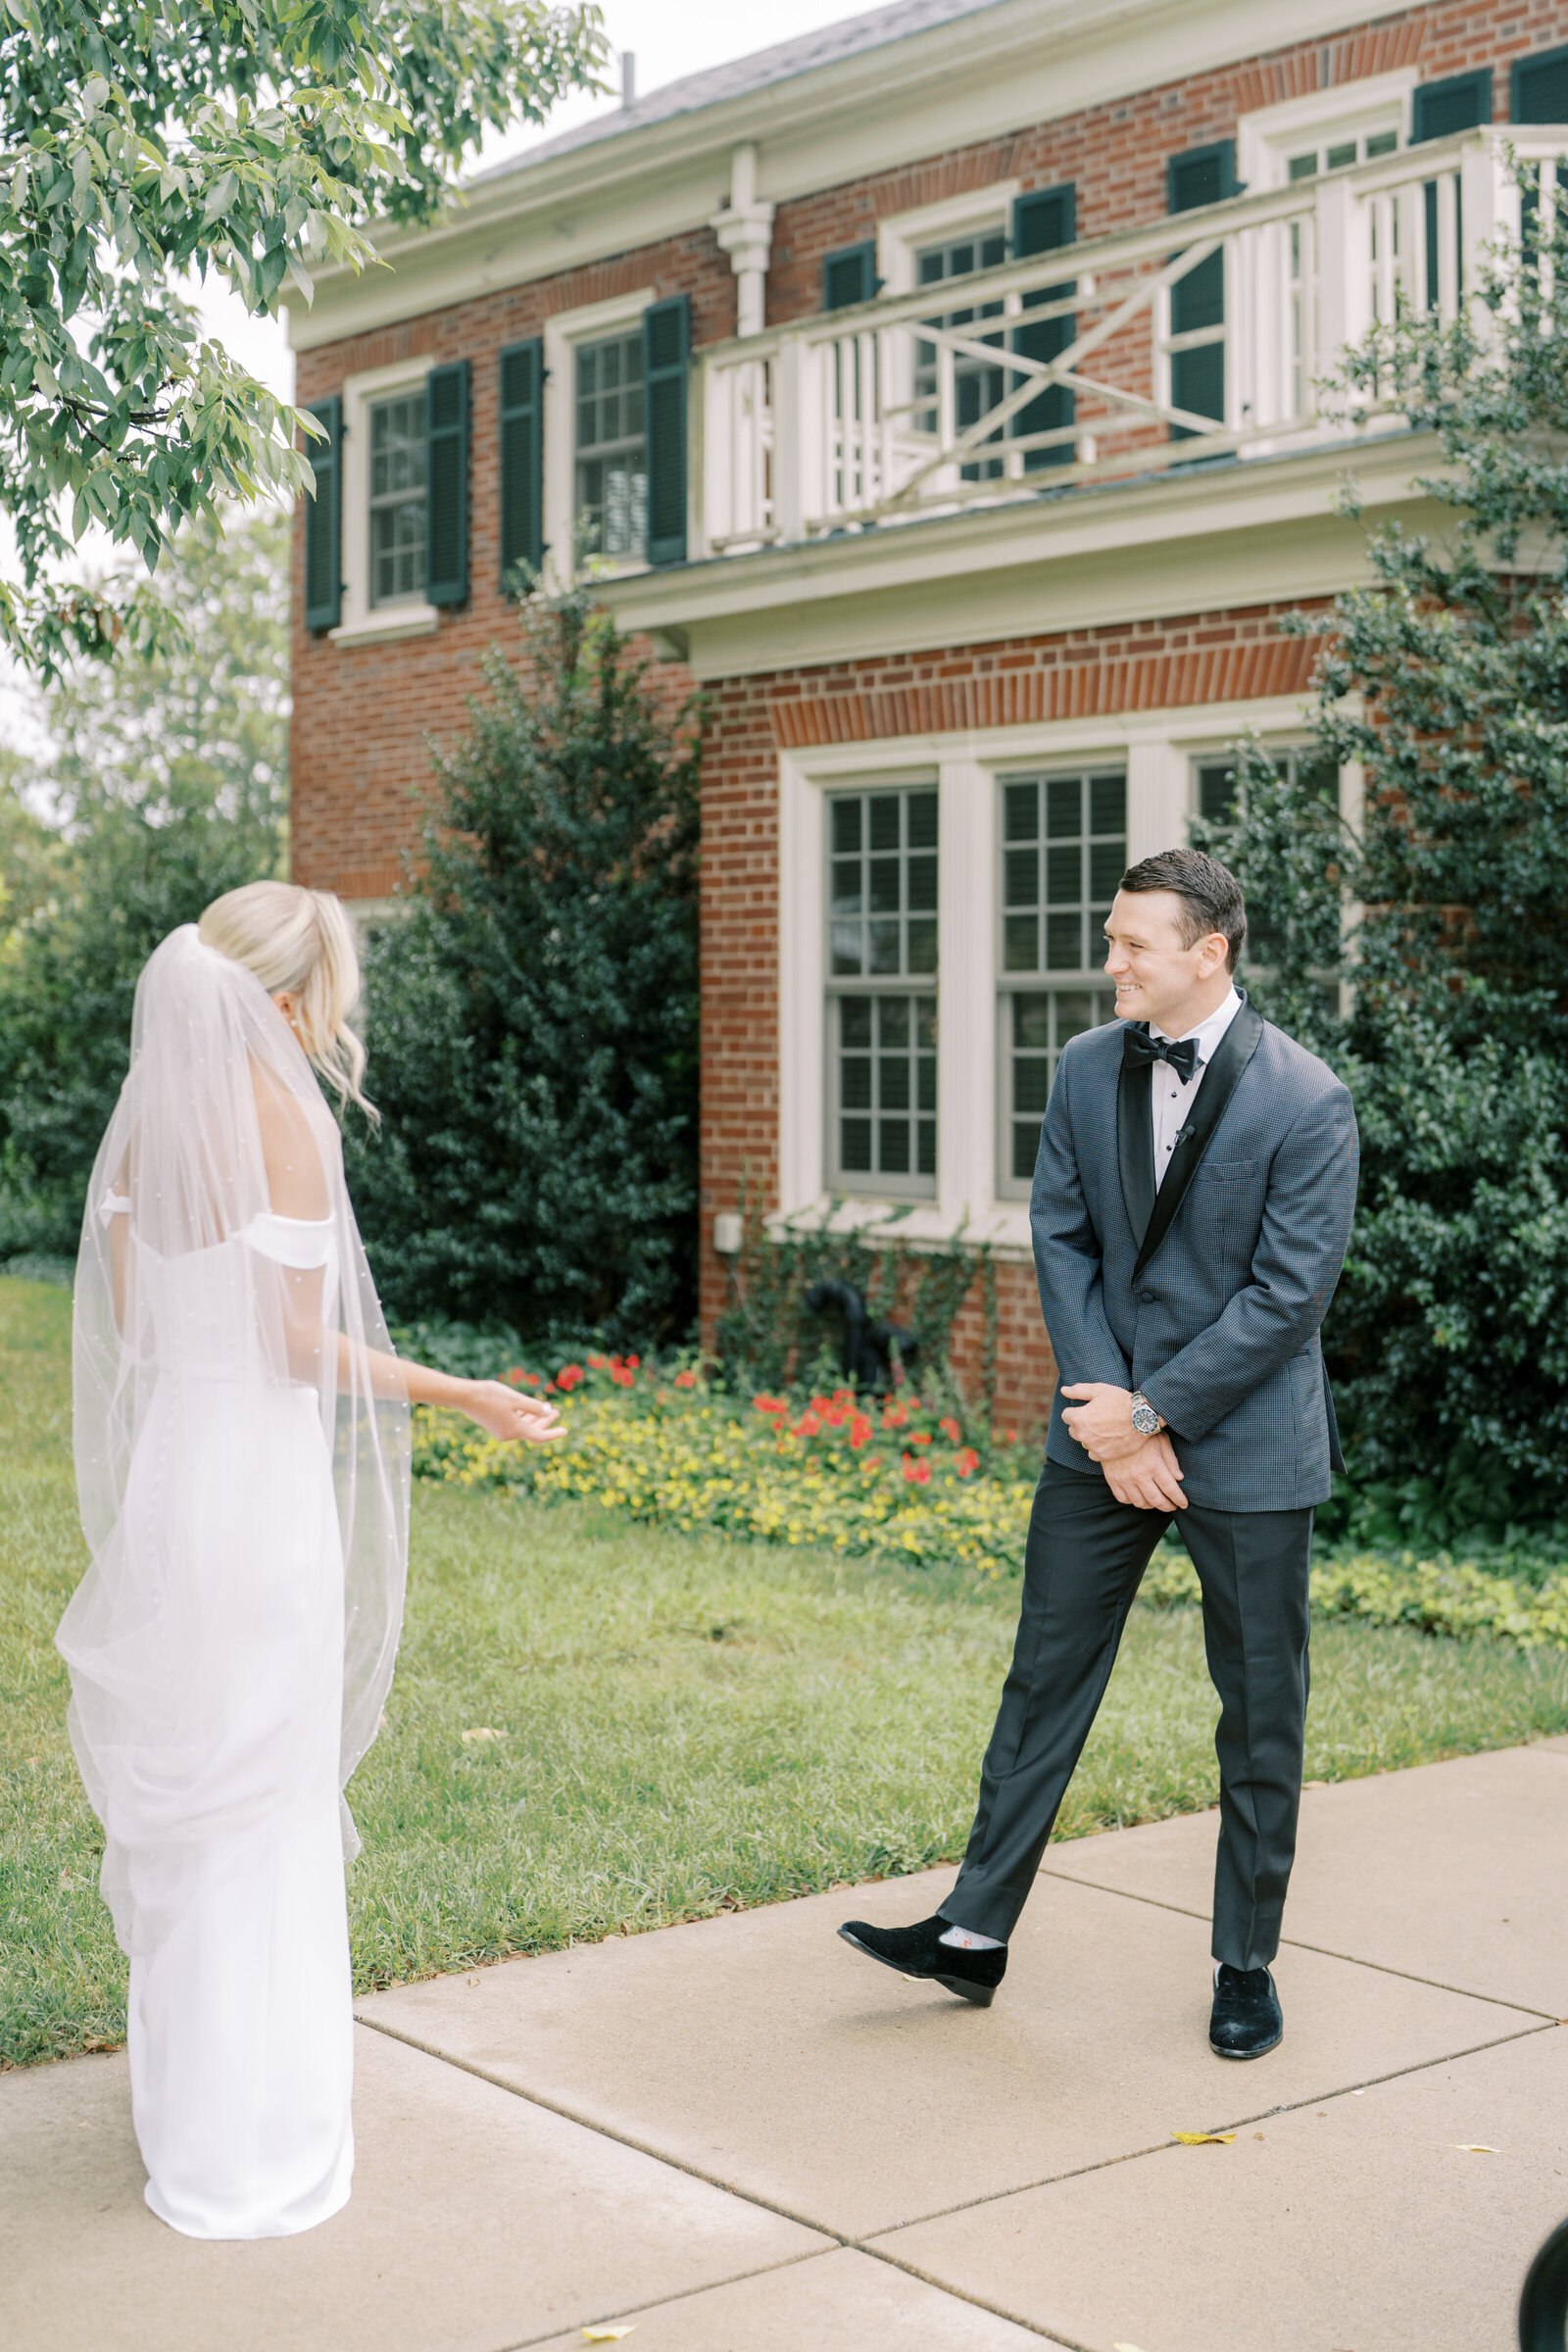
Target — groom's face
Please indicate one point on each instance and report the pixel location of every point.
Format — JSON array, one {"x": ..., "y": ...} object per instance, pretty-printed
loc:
[{"x": 1157, "y": 976}]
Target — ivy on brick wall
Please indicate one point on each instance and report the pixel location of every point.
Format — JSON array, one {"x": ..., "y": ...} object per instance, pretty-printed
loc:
[
  {"x": 531, "y": 1017},
  {"x": 1447, "y": 679}
]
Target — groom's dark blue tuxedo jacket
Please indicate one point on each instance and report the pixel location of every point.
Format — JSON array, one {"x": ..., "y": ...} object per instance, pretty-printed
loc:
[{"x": 1209, "y": 1294}]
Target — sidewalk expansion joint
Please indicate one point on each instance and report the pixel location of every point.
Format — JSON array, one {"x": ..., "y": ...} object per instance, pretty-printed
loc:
[
  {"x": 745, "y": 2197},
  {"x": 1325, "y": 1951}
]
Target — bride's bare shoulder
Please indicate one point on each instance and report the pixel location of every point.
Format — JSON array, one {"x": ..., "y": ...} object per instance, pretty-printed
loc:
[{"x": 292, "y": 1148}]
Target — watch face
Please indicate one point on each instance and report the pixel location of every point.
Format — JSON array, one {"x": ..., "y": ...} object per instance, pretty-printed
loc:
[{"x": 1145, "y": 1419}]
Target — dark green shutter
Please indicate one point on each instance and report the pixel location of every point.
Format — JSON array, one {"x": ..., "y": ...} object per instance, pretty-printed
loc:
[
  {"x": 1203, "y": 175},
  {"x": 1042, "y": 222},
  {"x": 666, "y": 354},
  {"x": 446, "y": 477},
  {"x": 323, "y": 520},
  {"x": 523, "y": 372},
  {"x": 1437, "y": 113},
  {"x": 1538, "y": 89},
  {"x": 1445, "y": 106},
  {"x": 849, "y": 275}
]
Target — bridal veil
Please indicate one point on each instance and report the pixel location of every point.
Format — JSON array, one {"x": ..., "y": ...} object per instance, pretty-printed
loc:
[{"x": 191, "y": 1287}]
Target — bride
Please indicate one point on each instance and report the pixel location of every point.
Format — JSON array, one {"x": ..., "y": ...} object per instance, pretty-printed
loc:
[{"x": 242, "y": 1462}]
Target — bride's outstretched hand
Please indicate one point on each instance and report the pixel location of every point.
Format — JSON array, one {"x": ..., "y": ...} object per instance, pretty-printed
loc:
[{"x": 506, "y": 1413}]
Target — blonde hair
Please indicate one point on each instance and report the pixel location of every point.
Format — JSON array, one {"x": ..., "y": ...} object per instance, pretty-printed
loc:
[{"x": 302, "y": 942}]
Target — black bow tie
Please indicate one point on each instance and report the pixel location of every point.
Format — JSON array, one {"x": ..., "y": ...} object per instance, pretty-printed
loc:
[{"x": 1138, "y": 1048}]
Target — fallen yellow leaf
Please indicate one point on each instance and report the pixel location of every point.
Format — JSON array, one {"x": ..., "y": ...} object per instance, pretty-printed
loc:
[
  {"x": 1205, "y": 2139},
  {"x": 607, "y": 2335},
  {"x": 482, "y": 1731},
  {"x": 1474, "y": 2148}
]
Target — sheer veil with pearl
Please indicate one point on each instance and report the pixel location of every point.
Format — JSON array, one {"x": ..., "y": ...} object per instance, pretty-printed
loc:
[{"x": 205, "y": 1322}]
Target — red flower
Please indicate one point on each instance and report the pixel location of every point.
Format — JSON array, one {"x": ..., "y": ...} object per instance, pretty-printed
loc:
[
  {"x": 966, "y": 1461},
  {"x": 919, "y": 1437},
  {"x": 950, "y": 1428},
  {"x": 859, "y": 1430},
  {"x": 569, "y": 1377},
  {"x": 807, "y": 1425},
  {"x": 633, "y": 1362},
  {"x": 770, "y": 1404},
  {"x": 623, "y": 1377},
  {"x": 916, "y": 1473},
  {"x": 685, "y": 1380},
  {"x": 894, "y": 1416},
  {"x": 597, "y": 1362}
]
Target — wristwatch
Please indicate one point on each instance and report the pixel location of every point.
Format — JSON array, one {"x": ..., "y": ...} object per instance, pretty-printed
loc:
[{"x": 1146, "y": 1420}]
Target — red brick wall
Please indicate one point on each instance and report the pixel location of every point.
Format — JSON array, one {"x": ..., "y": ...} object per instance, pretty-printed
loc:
[
  {"x": 1116, "y": 154},
  {"x": 1142, "y": 665},
  {"x": 361, "y": 714}
]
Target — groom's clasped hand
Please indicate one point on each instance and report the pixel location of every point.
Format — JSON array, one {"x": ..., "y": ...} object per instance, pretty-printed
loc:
[{"x": 1140, "y": 1470}]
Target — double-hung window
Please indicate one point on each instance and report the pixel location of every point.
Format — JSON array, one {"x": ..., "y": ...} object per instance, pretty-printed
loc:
[
  {"x": 1063, "y": 853},
  {"x": 397, "y": 498},
  {"x": 882, "y": 1003},
  {"x": 979, "y": 385},
  {"x": 611, "y": 453}
]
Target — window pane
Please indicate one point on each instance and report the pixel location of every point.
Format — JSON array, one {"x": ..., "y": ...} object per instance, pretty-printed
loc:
[
  {"x": 845, "y": 939},
  {"x": 847, "y": 886},
  {"x": 922, "y": 884},
  {"x": 1216, "y": 793},
  {"x": 611, "y": 459},
  {"x": 1025, "y": 1149},
  {"x": 926, "y": 1163},
  {"x": 1339, "y": 155},
  {"x": 892, "y": 1141},
  {"x": 855, "y": 1082},
  {"x": 893, "y": 1081},
  {"x": 1064, "y": 935},
  {"x": 925, "y": 1023},
  {"x": 927, "y": 1089},
  {"x": 893, "y": 1020},
  {"x": 883, "y": 940},
  {"x": 1020, "y": 943},
  {"x": 885, "y": 820},
  {"x": 1105, "y": 869},
  {"x": 1065, "y": 876},
  {"x": 855, "y": 1021},
  {"x": 1031, "y": 1084},
  {"x": 397, "y": 499},
  {"x": 922, "y": 942},
  {"x": 1031, "y": 1021},
  {"x": 847, "y": 825},
  {"x": 1064, "y": 799},
  {"x": 884, "y": 892},
  {"x": 1020, "y": 811},
  {"x": 1107, "y": 805},
  {"x": 1020, "y": 877},
  {"x": 854, "y": 1147}
]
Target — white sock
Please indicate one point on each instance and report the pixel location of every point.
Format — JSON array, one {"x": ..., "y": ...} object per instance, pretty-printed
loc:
[{"x": 965, "y": 1939}]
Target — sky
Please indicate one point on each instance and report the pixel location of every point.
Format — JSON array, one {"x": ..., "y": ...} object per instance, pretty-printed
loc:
[{"x": 669, "y": 38}]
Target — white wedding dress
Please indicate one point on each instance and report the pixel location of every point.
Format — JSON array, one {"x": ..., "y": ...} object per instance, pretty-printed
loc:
[{"x": 207, "y": 1648}]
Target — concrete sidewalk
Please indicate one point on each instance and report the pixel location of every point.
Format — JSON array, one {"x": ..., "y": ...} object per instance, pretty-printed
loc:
[{"x": 740, "y": 2137}]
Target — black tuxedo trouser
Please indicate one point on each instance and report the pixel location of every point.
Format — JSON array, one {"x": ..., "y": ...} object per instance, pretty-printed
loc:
[{"x": 1086, "y": 1554}]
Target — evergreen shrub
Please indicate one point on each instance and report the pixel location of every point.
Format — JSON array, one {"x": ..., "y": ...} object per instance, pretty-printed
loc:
[
  {"x": 1444, "y": 910},
  {"x": 532, "y": 1017}
]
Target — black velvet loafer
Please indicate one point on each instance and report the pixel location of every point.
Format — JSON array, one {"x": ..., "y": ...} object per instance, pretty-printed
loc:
[
  {"x": 919, "y": 1952},
  {"x": 1246, "y": 2018}
]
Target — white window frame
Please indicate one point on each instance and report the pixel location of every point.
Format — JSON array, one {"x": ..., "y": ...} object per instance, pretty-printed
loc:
[
  {"x": 361, "y": 623},
  {"x": 975, "y": 214},
  {"x": 1266, "y": 140},
  {"x": 594, "y": 323},
  {"x": 1157, "y": 749}
]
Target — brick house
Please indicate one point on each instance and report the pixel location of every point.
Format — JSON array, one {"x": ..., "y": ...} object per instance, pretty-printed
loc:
[{"x": 979, "y": 583}]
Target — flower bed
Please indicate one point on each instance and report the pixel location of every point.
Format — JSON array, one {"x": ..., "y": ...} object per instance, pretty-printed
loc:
[
  {"x": 902, "y": 1479},
  {"x": 900, "y": 1476}
]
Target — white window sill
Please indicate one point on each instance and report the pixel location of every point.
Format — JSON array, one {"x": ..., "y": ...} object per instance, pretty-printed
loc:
[
  {"x": 912, "y": 1225},
  {"x": 387, "y": 624}
]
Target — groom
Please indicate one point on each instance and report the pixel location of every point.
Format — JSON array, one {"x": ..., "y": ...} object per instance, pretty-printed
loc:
[{"x": 1192, "y": 1207}]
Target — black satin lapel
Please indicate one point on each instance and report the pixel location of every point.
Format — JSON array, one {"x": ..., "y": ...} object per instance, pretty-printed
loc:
[
  {"x": 1235, "y": 1049},
  {"x": 1135, "y": 1145}
]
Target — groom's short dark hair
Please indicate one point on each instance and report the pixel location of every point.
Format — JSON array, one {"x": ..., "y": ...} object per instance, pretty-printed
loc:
[{"x": 1209, "y": 892}]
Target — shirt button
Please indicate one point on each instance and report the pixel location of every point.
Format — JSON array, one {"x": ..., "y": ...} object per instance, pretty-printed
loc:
[{"x": 1147, "y": 1298}]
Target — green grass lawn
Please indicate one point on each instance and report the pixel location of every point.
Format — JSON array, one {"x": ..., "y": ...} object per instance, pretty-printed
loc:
[{"x": 687, "y": 1725}]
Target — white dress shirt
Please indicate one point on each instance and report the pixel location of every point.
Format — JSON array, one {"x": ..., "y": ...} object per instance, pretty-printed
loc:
[{"x": 1172, "y": 1100}]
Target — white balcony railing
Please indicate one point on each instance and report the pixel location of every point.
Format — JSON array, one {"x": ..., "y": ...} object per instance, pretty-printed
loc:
[{"x": 1201, "y": 335}]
